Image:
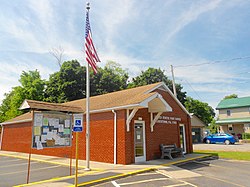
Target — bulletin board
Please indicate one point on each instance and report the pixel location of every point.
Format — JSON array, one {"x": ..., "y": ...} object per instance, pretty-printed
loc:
[{"x": 51, "y": 129}]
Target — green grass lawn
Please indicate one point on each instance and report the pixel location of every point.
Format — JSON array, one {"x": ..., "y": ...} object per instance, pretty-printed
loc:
[{"x": 225, "y": 154}]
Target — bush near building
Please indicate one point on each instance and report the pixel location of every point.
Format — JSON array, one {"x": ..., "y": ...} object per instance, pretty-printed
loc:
[{"x": 246, "y": 136}]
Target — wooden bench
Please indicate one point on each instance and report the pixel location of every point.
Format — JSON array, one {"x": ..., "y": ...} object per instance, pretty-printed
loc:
[{"x": 168, "y": 150}]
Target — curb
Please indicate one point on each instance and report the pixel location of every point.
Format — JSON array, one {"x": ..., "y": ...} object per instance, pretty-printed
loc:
[
  {"x": 55, "y": 179},
  {"x": 123, "y": 175}
]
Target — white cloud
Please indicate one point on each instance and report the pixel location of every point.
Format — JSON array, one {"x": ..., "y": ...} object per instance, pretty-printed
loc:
[
  {"x": 43, "y": 11},
  {"x": 116, "y": 14}
]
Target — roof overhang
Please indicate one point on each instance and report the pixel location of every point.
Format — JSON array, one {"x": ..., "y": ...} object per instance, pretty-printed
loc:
[
  {"x": 233, "y": 120},
  {"x": 171, "y": 94},
  {"x": 39, "y": 105},
  {"x": 156, "y": 103},
  {"x": 15, "y": 122}
]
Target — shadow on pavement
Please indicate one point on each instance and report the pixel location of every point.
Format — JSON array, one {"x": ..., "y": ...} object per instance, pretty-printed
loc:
[{"x": 198, "y": 163}]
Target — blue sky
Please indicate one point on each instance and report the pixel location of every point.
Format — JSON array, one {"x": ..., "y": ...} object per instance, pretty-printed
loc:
[{"x": 136, "y": 34}]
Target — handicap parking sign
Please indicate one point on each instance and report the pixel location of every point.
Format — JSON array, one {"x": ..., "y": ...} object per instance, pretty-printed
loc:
[{"x": 78, "y": 120}]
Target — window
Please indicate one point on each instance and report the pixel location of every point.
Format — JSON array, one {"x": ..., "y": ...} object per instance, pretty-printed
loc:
[
  {"x": 228, "y": 112},
  {"x": 246, "y": 125}
]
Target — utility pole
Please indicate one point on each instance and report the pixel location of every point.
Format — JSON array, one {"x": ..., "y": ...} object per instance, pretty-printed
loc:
[{"x": 173, "y": 81}]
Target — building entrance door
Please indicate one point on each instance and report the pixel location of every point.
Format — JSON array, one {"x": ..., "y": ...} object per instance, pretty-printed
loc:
[
  {"x": 139, "y": 137},
  {"x": 183, "y": 138}
]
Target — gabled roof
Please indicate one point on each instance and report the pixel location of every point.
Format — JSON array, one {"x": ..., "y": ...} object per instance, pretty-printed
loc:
[
  {"x": 128, "y": 98},
  {"x": 234, "y": 103},
  {"x": 140, "y": 97},
  {"x": 27, "y": 117},
  {"x": 40, "y": 105}
]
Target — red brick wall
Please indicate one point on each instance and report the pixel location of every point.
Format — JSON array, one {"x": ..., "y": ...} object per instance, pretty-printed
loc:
[
  {"x": 185, "y": 119},
  {"x": 102, "y": 137},
  {"x": 17, "y": 137},
  {"x": 163, "y": 133}
]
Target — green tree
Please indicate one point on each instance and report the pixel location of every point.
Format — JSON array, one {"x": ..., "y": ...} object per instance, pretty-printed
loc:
[
  {"x": 231, "y": 96},
  {"x": 153, "y": 75},
  {"x": 67, "y": 84},
  {"x": 213, "y": 127},
  {"x": 32, "y": 87},
  {"x": 109, "y": 79},
  {"x": 70, "y": 82},
  {"x": 202, "y": 110},
  {"x": 6, "y": 107}
]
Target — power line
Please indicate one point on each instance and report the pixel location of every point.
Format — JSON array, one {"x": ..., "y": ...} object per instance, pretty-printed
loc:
[
  {"x": 213, "y": 62},
  {"x": 192, "y": 88}
]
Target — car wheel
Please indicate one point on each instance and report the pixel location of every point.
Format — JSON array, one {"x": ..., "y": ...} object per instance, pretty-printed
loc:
[
  {"x": 227, "y": 142},
  {"x": 208, "y": 141}
]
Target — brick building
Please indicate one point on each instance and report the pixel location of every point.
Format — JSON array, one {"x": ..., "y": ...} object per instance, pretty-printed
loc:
[{"x": 126, "y": 126}]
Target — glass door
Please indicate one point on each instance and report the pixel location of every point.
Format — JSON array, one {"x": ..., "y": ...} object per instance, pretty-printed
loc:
[
  {"x": 139, "y": 134},
  {"x": 183, "y": 138}
]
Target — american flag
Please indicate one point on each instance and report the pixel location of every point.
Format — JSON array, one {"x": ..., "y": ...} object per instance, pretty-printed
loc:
[{"x": 91, "y": 54}]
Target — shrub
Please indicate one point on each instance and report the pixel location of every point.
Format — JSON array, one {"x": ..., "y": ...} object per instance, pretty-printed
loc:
[{"x": 246, "y": 136}]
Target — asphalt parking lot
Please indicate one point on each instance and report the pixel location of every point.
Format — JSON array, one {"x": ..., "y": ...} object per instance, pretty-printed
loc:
[
  {"x": 13, "y": 171},
  {"x": 202, "y": 173}
]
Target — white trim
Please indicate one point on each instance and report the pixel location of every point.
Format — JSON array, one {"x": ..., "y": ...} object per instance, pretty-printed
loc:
[
  {"x": 184, "y": 138},
  {"x": 130, "y": 117},
  {"x": 1, "y": 137},
  {"x": 143, "y": 158},
  {"x": 153, "y": 121},
  {"x": 24, "y": 105},
  {"x": 171, "y": 94},
  {"x": 19, "y": 121},
  {"x": 146, "y": 101},
  {"x": 115, "y": 136}
]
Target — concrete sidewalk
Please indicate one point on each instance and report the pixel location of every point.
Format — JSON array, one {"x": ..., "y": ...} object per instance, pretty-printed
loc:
[{"x": 100, "y": 172}]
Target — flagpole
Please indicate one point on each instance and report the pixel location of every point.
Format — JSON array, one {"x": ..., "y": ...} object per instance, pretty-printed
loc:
[{"x": 87, "y": 111}]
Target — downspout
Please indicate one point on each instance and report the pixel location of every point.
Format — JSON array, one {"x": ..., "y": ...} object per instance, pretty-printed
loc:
[
  {"x": 1, "y": 138},
  {"x": 115, "y": 135}
]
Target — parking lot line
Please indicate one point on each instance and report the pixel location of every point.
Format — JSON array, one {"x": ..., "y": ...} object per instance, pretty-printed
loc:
[
  {"x": 115, "y": 184},
  {"x": 176, "y": 185},
  {"x": 226, "y": 181},
  {"x": 38, "y": 160},
  {"x": 163, "y": 173},
  {"x": 22, "y": 171},
  {"x": 143, "y": 181},
  {"x": 185, "y": 182},
  {"x": 14, "y": 160},
  {"x": 11, "y": 165},
  {"x": 223, "y": 167},
  {"x": 188, "y": 183}
]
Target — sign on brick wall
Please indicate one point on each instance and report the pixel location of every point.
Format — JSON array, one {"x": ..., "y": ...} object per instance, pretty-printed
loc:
[
  {"x": 51, "y": 129},
  {"x": 168, "y": 120}
]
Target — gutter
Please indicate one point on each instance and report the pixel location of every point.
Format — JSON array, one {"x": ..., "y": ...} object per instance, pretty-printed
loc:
[
  {"x": 1, "y": 137},
  {"x": 20, "y": 121},
  {"x": 115, "y": 136}
]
